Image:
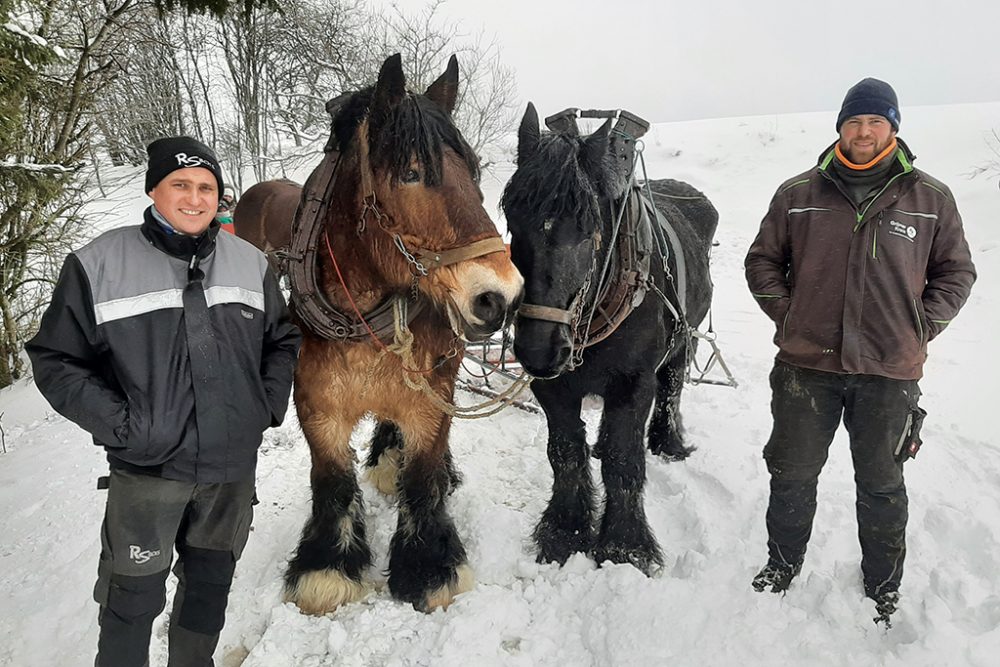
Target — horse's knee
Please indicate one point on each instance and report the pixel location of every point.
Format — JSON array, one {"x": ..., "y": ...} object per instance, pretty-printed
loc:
[{"x": 329, "y": 441}]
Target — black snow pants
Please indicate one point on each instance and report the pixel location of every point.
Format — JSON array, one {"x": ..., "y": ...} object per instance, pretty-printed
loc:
[
  {"x": 807, "y": 407},
  {"x": 146, "y": 518}
]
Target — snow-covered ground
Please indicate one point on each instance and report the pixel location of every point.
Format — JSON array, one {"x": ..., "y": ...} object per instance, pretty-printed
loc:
[{"x": 707, "y": 512}]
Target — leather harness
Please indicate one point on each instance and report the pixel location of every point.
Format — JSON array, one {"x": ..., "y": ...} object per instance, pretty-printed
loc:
[
  {"x": 300, "y": 260},
  {"x": 640, "y": 234}
]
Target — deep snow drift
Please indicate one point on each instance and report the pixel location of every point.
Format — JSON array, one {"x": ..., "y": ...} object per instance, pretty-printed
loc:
[{"x": 708, "y": 512}]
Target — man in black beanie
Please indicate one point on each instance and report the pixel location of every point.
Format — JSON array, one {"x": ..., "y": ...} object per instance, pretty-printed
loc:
[
  {"x": 860, "y": 262},
  {"x": 172, "y": 346}
]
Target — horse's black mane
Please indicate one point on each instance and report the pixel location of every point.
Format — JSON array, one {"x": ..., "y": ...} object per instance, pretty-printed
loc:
[
  {"x": 415, "y": 126},
  {"x": 555, "y": 185}
]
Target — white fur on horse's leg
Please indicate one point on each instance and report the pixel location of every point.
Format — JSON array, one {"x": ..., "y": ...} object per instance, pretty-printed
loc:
[
  {"x": 384, "y": 474},
  {"x": 465, "y": 580},
  {"x": 322, "y": 591}
]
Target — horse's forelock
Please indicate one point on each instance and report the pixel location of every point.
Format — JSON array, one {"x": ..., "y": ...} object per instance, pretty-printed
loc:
[
  {"x": 416, "y": 126},
  {"x": 553, "y": 182}
]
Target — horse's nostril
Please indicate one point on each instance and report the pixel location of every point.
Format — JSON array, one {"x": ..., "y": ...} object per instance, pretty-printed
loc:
[{"x": 489, "y": 307}]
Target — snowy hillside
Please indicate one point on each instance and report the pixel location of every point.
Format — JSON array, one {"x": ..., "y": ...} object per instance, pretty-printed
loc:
[{"x": 708, "y": 512}]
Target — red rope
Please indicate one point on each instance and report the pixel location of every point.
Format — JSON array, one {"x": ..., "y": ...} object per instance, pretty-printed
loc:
[{"x": 357, "y": 311}]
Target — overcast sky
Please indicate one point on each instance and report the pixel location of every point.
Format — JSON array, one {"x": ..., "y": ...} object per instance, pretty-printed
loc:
[{"x": 667, "y": 60}]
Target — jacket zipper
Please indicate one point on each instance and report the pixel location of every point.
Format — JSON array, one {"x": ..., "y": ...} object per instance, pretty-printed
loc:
[{"x": 861, "y": 214}]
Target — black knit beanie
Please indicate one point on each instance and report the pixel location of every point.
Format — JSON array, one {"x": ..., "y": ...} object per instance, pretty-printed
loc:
[
  {"x": 170, "y": 153},
  {"x": 870, "y": 96}
]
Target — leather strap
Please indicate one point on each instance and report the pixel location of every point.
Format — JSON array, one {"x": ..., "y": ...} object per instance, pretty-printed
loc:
[
  {"x": 546, "y": 313},
  {"x": 308, "y": 301},
  {"x": 433, "y": 259}
]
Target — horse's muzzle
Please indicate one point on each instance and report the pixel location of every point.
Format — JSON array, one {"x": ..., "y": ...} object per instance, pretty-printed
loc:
[
  {"x": 542, "y": 348},
  {"x": 493, "y": 311}
]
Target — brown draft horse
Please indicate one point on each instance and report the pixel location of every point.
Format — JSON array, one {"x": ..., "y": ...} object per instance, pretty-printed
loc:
[{"x": 406, "y": 180}]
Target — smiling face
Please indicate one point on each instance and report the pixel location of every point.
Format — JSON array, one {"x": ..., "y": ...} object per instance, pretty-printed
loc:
[
  {"x": 188, "y": 198},
  {"x": 865, "y": 136}
]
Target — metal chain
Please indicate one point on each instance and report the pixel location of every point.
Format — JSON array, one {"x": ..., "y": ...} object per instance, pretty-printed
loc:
[{"x": 420, "y": 268}]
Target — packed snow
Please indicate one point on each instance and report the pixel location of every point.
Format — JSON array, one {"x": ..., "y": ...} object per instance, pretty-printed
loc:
[{"x": 707, "y": 512}]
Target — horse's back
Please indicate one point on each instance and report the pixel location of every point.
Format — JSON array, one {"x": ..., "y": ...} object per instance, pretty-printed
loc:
[
  {"x": 672, "y": 197},
  {"x": 265, "y": 213},
  {"x": 693, "y": 217}
]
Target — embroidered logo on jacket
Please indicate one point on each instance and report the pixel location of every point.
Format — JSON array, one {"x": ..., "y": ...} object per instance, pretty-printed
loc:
[
  {"x": 908, "y": 232},
  {"x": 140, "y": 555},
  {"x": 246, "y": 314}
]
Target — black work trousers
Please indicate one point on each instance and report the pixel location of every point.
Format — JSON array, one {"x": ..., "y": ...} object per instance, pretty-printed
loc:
[
  {"x": 807, "y": 407},
  {"x": 146, "y": 519}
]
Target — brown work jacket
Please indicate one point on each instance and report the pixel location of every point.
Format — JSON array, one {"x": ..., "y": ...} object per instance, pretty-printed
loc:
[{"x": 860, "y": 291}]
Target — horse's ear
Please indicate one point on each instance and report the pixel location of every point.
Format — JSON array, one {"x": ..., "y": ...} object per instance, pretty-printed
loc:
[
  {"x": 528, "y": 134},
  {"x": 444, "y": 91},
  {"x": 391, "y": 86},
  {"x": 596, "y": 145}
]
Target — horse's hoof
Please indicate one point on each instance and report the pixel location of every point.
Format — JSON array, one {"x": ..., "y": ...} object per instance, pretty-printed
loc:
[
  {"x": 647, "y": 559},
  {"x": 463, "y": 581},
  {"x": 322, "y": 591},
  {"x": 679, "y": 453},
  {"x": 556, "y": 545},
  {"x": 383, "y": 476}
]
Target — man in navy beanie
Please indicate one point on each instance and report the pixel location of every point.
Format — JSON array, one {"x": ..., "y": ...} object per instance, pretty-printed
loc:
[
  {"x": 172, "y": 346},
  {"x": 860, "y": 262}
]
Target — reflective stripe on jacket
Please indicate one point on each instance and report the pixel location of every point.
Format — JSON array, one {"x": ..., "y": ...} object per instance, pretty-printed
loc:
[{"x": 174, "y": 353}]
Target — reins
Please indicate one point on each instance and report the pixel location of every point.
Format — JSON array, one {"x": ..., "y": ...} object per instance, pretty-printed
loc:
[{"x": 691, "y": 360}]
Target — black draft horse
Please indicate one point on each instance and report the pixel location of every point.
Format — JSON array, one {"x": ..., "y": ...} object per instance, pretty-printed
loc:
[{"x": 561, "y": 205}]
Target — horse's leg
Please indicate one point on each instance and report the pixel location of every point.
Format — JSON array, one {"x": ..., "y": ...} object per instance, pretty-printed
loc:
[
  {"x": 666, "y": 430},
  {"x": 566, "y": 524},
  {"x": 625, "y": 537},
  {"x": 427, "y": 562},
  {"x": 385, "y": 457},
  {"x": 333, "y": 551}
]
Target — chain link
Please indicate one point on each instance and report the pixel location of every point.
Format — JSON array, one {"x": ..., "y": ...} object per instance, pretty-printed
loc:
[{"x": 420, "y": 268}]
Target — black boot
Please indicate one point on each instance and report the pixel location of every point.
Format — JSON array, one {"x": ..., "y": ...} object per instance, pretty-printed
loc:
[
  {"x": 886, "y": 604},
  {"x": 777, "y": 575}
]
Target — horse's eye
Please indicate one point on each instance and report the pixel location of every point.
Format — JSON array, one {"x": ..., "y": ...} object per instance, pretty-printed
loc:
[{"x": 411, "y": 176}]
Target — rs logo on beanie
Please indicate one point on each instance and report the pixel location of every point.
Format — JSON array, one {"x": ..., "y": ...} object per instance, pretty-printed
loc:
[
  {"x": 168, "y": 154},
  {"x": 184, "y": 160}
]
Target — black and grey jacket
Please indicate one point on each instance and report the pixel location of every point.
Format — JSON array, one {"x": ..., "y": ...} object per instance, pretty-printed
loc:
[{"x": 174, "y": 352}]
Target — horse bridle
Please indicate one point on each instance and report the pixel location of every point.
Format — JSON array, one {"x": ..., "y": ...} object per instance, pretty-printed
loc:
[
  {"x": 579, "y": 315},
  {"x": 628, "y": 289},
  {"x": 308, "y": 300}
]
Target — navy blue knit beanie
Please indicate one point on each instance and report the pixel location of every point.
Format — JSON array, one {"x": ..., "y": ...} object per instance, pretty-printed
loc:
[
  {"x": 870, "y": 96},
  {"x": 168, "y": 154}
]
